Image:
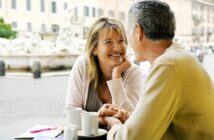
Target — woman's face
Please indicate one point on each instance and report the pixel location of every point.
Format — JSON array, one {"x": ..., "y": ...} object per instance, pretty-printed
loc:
[{"x": 111, "y": 49}]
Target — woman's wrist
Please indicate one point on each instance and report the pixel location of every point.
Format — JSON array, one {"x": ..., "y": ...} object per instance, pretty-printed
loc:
[{"x": 116, "y": 74}]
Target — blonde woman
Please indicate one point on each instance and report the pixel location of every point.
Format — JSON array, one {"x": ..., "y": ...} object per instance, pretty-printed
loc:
[{"x": 104, "y": 74}]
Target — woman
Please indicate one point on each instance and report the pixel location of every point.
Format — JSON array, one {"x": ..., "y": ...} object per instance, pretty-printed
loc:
[{"x": 104, "y": 74}]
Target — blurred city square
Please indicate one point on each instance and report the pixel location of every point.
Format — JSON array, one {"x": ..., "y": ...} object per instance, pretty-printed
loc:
[{"x": 53, "y": 34}]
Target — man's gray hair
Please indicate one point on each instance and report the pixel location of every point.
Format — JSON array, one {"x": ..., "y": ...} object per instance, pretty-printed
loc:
[{"x": 155, "y": 18}]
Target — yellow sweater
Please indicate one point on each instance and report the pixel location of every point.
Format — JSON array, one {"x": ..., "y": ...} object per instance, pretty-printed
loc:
[{"x": 177, "y": 102}]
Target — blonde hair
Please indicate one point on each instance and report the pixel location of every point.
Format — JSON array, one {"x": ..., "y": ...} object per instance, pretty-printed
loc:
[{"x": 100, "y": 24}]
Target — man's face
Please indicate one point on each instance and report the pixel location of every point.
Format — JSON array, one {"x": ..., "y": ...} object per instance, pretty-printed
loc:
[
  {"x": 135, "y": 43},
  {"x": 130, "y": 35}
]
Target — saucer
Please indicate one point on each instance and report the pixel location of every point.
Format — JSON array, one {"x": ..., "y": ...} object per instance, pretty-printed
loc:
[{"x": 101, "y": 133}]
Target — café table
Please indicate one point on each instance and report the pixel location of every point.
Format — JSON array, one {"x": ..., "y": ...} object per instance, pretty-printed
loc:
[{"x": 10, "y": 131}]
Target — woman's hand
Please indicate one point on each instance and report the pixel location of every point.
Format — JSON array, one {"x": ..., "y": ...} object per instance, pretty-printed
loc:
[
  {"x": 109, "y": 110},
  {"x": 106, "y": 110},
  {"x": 122, "y": 115},
  {"x": 119, "y": 69}
]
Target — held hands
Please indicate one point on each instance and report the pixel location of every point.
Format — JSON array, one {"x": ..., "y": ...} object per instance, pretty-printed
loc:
[
  {"x": 119, "y": 69},
  {"x": 111, "y": 114}
]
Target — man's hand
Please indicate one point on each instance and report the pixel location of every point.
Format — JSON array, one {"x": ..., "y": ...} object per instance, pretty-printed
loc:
[{"x": 119, "y": 69}]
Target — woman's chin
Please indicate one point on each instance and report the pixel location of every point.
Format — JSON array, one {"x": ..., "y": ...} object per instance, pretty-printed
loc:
[{"x": 116, "y": 63}]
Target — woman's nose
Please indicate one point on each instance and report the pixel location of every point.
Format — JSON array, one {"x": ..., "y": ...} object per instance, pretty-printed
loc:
[{"x": 116, "y": 47}]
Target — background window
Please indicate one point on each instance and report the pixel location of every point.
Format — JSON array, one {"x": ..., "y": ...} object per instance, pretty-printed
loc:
[
  {"x": 86, "y": 11},
  {"x": 13, "y": 4},
  {"x": 14, "y": 24},
  {"x": 43, "y": 28},
  {"x": 93, "y": 12},
  {"x": 42, "y": 3},
  {"x": 28, "y": 2},
  {"x": 65, "y": 6},
  {"x": 85, "y": 30},
  {"x": 53, "y": 6},
  {"x": 55, "y": 28},
  {"x": 76, "y": 13},
  {"x": 29, "y": 26},
  {"x": 99, "y": 12}
]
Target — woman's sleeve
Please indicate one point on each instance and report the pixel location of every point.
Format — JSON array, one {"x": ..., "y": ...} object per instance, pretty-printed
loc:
[
  {"x": 75, "y": 90},
  {"x": 126, "y": 93}
]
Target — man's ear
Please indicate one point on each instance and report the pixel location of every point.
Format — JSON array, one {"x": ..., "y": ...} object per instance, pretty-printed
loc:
[{"x": 139, "y": 32}]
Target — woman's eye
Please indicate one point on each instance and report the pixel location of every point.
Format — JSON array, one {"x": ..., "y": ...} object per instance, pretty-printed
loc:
[
  {"x": 121, "y": 41},
  {"x": 108, "y": 42}
]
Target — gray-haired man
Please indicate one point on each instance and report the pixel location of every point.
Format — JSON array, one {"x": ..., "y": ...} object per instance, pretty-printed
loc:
[{"x": 178, "y": 96}]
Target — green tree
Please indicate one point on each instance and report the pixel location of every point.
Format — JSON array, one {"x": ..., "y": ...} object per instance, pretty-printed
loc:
[{"x": 6, "y": 30}]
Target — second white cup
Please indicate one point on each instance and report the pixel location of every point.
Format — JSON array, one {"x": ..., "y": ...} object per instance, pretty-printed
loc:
[{"x": 89, "y": 123}]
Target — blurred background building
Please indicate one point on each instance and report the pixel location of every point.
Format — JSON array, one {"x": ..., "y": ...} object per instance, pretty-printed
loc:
[
  {"x": 195, "y": 21},
  {"x": 46, "y": 16},
  {"x": 195, "y": 18}
]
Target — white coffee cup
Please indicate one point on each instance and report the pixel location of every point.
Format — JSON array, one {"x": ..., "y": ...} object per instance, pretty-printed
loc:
[
  {"x": 67, "y": 133},
  {"x": 70, "y": 133},
  {"x": 89, "y": 123},
  {"x": 73, "y": 116}
]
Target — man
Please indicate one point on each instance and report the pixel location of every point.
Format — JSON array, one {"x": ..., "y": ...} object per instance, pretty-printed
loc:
[{"x": 178, "y": 96}]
